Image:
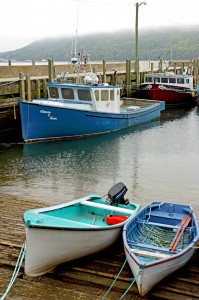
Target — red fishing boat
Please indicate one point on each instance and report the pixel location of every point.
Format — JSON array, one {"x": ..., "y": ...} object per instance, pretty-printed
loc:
[{"x": 175, "y": 90}]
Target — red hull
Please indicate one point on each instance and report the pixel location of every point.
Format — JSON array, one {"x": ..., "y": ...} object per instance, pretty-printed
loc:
[{"x": 171, "y": 95}]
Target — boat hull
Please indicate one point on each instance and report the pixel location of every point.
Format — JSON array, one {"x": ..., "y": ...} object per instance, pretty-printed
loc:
[
  {"x": 155, "y": 272},
  {"x": 159, "y": 240},
  {"x": 71, "y": 230},
  {"x": 42, "y": 122},
  {"x": 48, "y": 248},
  {"x": 173, "y": 96}
]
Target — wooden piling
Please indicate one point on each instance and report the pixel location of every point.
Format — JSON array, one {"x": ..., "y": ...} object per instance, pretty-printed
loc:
[
  {"x": 104, "y": 71},
  {"x": 38, "y": 89},
  {"x": 44, "y": 88},
  {"x": 128, "y": 78},
  {"x": 28, "y": 88},
  {"x": 50, "y": 70},
  {"x": 160, "y": 65},
  {"x": 21, "y": 86}
]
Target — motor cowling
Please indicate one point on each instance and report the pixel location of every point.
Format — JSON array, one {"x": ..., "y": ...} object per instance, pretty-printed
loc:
[{"x": 116, "y": 194}]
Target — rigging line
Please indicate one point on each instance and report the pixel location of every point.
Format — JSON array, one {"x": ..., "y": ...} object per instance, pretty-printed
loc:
[
  {"x": 75, "y": 31},
  {"x": 77, "y": 21}
]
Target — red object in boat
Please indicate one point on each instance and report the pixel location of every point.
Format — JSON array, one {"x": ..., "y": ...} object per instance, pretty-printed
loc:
[{"x": 112, "y": 219}]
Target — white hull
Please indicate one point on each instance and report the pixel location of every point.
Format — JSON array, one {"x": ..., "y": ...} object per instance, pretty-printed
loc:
[
  {"x": 46, "y": 248},
  {"x": 155, "y": 272}
]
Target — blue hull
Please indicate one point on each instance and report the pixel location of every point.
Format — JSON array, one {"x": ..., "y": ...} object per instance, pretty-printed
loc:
[{"x": 42, "y": 122}]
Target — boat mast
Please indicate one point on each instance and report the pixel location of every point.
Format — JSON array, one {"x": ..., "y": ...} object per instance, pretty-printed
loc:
[
  {"x": 136, "y": 41},
  {"x": 74, "y": 59}
]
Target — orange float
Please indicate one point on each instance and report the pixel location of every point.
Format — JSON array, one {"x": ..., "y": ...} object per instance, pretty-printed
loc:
[{"x": 115, "y": 219}]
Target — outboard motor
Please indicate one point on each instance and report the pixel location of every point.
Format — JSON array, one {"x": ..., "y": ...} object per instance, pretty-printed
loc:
[{"x": 116, "y": 194}]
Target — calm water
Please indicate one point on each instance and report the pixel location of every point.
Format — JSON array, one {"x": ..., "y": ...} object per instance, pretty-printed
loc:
[{"x": 158, "y": 161}]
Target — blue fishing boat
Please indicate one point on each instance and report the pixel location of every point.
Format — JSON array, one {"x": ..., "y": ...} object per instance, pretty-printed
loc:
[
  {"x": 159, "y": 240},
  {"x": 79, "y": 109},
  {"x": 74, "y": 229}
]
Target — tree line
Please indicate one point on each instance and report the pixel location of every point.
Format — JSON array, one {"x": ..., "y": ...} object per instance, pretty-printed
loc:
[{"x": 171, "y": 43}]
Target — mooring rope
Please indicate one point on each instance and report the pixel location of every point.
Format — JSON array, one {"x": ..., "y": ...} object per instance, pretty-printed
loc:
[
  {"x": 16, "y": 270},
  {"x": 133, "y": 280},
  {"x": 112, "y": 284}
]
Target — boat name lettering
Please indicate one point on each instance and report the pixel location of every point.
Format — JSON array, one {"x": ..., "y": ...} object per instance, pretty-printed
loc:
[
  {"x": 42, "y": 111},
  {"x": 148, "y": 87},
  {"x": 162, "y": 87},
  {"x": 45, "y": 112},
  {"x": 53, "y": 118}
]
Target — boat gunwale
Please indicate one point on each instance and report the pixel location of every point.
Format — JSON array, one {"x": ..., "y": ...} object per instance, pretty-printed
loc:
[
  {"x": 80, "y": 201},
  {"x": 161, "y": 260},
  {"x": 151, "y": 108}
]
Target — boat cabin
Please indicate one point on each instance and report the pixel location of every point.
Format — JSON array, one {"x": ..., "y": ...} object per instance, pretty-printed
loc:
[
  {"x": 169, "y": 78},
  {"x": 91, "y": 97}
]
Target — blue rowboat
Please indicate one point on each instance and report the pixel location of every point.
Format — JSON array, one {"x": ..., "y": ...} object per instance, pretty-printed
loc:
[
  {"x": 74, "y": 229},
  {"x": 159, "y": 240},
  {"x": 76, "y": 110}
]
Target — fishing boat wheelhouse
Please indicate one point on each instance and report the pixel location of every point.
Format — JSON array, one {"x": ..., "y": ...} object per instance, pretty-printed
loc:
[{"x": 169, "y": 87}]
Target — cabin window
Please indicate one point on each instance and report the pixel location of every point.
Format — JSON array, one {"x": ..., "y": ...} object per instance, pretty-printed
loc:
[
  {"x": 156, "y": 79},
  {"x": 84, "y": 95},
  {"x": 97, "y": 95},
  {"x": 104, "y": 95},
  {"x": 187, "y": 80},
  {"x": 148, "y": 79},
  {"x": 53, "y": 92},
  {"x": 180, "y": 80},
  {"x": 172, "y": 80},
  {"x": 164, "y": 80},
  {"x": 67, "y": 93},
  {"x": 111, "y": 94}
]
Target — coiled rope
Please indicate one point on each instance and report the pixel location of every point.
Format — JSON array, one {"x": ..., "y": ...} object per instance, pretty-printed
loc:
[{"x": 16, "y": 270}]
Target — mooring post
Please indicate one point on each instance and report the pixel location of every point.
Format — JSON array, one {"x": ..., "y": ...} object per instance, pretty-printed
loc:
[
  {"x": 175, "y": 70},
  {"x": 195, "y": 67},
  {"x": 50, "y": 69},
  {"x": 128, "y": 77},
  {"x": 160, "y": 65},
  {"x": 152, "y": 67},
  {"x": 38, "y": 87},
  {"x": 104, "y": 71},
  {"x": 21, "y": 86},
  {"x": 28, "y": 87},
  {"x": 182, "y": 68},
  {"x": 44, "y": 88}
]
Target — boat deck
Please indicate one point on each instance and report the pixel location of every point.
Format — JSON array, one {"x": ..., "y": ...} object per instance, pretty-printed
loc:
[{"x": 87, "y": 278}]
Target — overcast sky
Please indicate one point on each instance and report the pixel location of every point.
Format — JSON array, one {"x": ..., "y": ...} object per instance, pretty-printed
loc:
[{"x": 25, "y": 21}]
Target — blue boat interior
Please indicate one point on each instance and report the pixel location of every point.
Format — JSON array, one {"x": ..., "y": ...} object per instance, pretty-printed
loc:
[{"x": 154, "y": 229}]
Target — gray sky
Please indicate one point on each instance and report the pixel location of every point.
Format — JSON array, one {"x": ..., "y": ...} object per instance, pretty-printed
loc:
[{"x": 25, "y": 21}]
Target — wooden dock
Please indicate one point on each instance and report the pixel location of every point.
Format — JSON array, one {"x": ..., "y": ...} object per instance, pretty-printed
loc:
[{"x": 87, "y": 278}]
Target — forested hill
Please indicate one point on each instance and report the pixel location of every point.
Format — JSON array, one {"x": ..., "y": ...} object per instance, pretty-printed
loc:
[{"x": 166, "y": 43}]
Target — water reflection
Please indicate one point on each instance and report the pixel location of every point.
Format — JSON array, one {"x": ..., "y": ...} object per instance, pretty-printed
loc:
[
  {"x": 54, "y": 171},
  {"x": 157, "y": 161}
]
